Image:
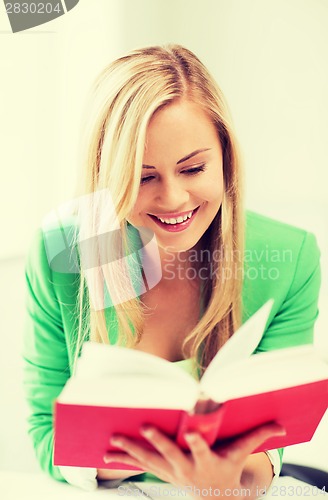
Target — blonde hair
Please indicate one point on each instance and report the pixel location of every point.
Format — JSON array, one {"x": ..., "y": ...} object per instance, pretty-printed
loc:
[{"x": 124, "y": 98}]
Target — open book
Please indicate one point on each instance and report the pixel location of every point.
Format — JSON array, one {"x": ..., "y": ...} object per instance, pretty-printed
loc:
[{"x": 116, "y": 390}]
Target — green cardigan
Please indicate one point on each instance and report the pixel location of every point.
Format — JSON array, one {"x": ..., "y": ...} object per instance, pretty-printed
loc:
[{"x": 281, "y": 262}]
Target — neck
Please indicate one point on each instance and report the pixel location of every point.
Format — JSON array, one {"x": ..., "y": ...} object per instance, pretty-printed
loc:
[{"x": 178, "y": 267}]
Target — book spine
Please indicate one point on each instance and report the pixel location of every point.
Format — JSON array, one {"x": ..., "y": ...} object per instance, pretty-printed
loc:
[{"x": 205, "y": 424}]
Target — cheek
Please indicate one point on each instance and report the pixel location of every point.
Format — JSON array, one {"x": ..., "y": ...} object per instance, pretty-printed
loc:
[
  {"x": 210, "y": 190},
  {"x": 218, "y": 187},
  {"x": 217, "y": 194},
  {"x": 137, "y": 209}
]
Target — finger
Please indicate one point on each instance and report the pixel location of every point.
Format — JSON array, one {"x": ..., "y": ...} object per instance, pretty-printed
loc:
[
  {"x": 148, "y": 459},
  {"x": 165, "y": 446},
  {"x": 242, "y": 447},
  {"x": 198, "y": 446}
]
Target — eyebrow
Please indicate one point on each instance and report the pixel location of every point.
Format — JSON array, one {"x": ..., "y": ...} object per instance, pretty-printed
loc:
[{"x": 185, "y": 158}]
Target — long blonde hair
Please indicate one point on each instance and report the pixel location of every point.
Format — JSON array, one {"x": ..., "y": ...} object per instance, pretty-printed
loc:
[{"x": 124, "y": 98}]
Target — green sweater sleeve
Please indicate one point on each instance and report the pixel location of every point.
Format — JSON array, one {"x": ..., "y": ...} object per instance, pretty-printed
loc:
[
  {"x": 293, "y": 323},
  {"x": 46, "y": 365}
]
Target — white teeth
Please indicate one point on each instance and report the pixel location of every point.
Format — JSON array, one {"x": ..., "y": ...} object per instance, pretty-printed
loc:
[{"x": 176, "y": 221}]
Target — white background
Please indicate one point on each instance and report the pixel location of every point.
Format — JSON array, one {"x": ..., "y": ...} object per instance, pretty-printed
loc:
[{"x": 270, "y": 59}]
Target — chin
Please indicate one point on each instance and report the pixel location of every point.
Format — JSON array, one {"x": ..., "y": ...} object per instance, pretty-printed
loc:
[{"x": 177, "y": 247}]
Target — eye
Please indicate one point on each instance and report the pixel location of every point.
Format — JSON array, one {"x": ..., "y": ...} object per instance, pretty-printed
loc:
[
  {"x": 144, "y": 180},
  {"x": 188, "y": 171},
  {"x": 195, "y": 170}
]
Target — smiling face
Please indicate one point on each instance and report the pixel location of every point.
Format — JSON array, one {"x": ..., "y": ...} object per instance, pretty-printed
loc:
[{"x": 182, "y": 179}]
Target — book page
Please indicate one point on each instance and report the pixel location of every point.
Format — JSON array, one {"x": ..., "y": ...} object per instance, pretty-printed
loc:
[
  {"x": 269, "y": 371},
  {"x": 107, "y": 361},
  {"x": 241, "y": 345},
  {"x": 130, "y": 392}
]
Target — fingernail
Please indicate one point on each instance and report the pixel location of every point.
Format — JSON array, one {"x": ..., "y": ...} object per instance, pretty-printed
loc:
[
  {"x": 147, "y": 432},
  {"x": 281, "y": 432},
  {"x": 190, "y": 436},
  {"x": 116, "y": 441}
]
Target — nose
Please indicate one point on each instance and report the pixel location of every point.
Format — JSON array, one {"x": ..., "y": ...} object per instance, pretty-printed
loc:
[{"x": 172, "y": 195}]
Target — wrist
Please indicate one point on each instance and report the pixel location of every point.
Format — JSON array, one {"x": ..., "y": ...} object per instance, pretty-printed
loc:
[{"x": 257, "y": 475}]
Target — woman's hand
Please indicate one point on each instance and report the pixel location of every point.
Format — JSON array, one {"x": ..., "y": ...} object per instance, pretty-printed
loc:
[{"x": 224, "y": 468}]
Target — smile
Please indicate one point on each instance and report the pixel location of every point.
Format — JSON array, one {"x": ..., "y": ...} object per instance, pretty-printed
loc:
[{"x": 175, "y": 224}]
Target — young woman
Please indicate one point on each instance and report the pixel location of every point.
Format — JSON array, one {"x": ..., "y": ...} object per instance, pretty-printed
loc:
[{"x": 159, "y": 143}]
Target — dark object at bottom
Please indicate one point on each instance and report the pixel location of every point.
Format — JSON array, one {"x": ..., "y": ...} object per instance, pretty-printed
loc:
[{"x": 316, "y": 477}]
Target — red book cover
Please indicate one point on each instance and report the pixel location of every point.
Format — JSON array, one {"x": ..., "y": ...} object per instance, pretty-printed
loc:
[{"x": 83, "y": 432}]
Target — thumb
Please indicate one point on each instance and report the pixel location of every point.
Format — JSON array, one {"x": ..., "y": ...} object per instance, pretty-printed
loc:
[{"x": 241, "y": 447}]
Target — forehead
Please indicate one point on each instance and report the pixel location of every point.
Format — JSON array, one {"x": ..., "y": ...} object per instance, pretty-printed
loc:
[{"x": 178, "y": 129}]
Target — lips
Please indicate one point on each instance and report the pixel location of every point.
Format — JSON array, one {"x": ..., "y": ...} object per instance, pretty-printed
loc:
[
  {"x": 174, "y": 226},
  {"x": 173, "y": 215}
]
